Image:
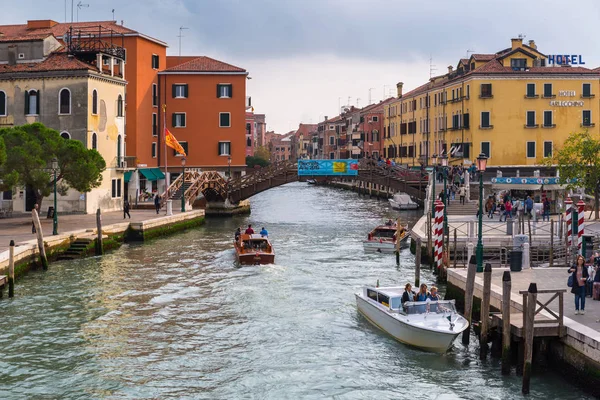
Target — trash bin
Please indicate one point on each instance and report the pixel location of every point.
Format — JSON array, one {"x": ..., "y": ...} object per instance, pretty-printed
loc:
[
  {"x": 50, "y": 213},
  {"x": 515, "y": 259},
  {"x": 588, "y": 245},
  {"x": 509, "y": 226}
]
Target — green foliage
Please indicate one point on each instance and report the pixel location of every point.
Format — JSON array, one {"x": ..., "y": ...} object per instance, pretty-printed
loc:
[
  {"x": 251, "y": 161},
  {"x": 263, "y": 153},
  {"x": 32, "y": 148},
  {"x": 2, "y": 152}
]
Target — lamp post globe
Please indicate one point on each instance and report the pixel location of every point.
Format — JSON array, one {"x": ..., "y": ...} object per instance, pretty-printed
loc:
[
  {"x": 55, "y": 213},
  {"x": 183, "y": 184},
  {"x": 481, "y": 165}
]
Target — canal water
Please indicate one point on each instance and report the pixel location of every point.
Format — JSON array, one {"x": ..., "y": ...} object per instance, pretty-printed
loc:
[{"x": 175, "y": 318}]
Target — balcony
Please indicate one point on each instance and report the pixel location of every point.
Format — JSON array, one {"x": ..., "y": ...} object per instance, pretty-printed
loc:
[{"x": 124, "y": 163}]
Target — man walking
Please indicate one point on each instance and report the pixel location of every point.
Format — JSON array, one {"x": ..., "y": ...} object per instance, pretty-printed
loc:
[
  {"x": 157, "y": 203},
  {"x": 126, "y": 209},
  {"x": 529, "y": 206},
  {"x": 462, "y": 192}
]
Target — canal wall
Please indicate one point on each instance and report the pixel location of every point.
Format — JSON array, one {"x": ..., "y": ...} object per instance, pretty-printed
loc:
[{"x": 26, "y": 254}]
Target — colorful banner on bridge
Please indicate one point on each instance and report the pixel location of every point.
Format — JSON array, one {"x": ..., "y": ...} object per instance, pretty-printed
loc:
[{"x": 327, "y": 167}]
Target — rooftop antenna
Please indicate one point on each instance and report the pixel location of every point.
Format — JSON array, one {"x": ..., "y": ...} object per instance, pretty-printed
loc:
[
  {"x": 469, "y": 51},
  {"x": 432, "y": 68},
  {"x": 521, "y": 36},
  {"x": 113, "y": 13},
  {"x": 80, "y": 5},
  {"x": 65, "y": 11},
  {"x": 370, "y": 94},
  {"x": 357, "y": 102},
  {"x": 181, "y": 28}
]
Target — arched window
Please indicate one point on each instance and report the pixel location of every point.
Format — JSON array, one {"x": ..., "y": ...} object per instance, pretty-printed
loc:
[
  {"x": 249, "y": 142},
  {"x": 65, "y": 135},
  {"x": 3, "y": 111},
  {"x": 64, "y": 101},
  {"x": 120, "y": 106},
  {"x": 32, "y": 102},
  {"x": 95, "y": 102},
  {"x": 94, "y": 141},
  {"x": 119, "y": 149}
]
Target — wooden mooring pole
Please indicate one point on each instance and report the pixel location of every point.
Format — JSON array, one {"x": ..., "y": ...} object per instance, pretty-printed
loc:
[
  {"x": 470, "y": 285},
  {"x": 40, "y": 238},
  {"x": 11, "y": 269},
  {"x": 455, "y": 249},
  {"x": 484, "y": 315},
  {"x": 418, "y": 264},
  {"x": 99, "y": 246},
  {"x": 529, "y": 317},
  {"x": 551, "y": 243},
  {"x": 429, "y": 240},
  {"x": 506, "y": 288}
]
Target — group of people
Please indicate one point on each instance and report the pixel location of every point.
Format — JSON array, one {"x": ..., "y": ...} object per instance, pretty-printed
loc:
[
  {"x": 422, "y": 295},
  {"x": 509, "y": 207},
  {"x": 249, "y": 231}
]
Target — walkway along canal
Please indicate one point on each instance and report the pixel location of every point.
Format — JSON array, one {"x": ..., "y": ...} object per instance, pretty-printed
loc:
[{"x": 175, "y": 318}]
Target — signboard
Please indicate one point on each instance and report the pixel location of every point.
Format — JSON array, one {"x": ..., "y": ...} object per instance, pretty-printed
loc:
[
  {"x": 560, "y": 59},
  {"x": 327, "y": 167},
  {"x": 527, "y": 181}
]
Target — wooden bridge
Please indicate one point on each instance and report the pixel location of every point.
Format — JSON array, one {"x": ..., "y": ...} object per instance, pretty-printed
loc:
[{"x": 215, "y": 188}]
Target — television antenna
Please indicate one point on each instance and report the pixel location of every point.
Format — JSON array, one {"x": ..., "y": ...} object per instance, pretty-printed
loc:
[
  {"x": 432, "y": 67},
  {"x": 469, "y": 51},
  {"x": 113, "y": 14},
  {"x": 370, "y": 94},
  {"x": 357, "y": 102},
  {"x": 80, "y": 5},
  {"x": 181, "y": 28}
]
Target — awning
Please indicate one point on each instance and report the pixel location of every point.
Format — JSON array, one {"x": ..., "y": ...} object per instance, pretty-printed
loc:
[
  {"x": 127, "y": 177},
  {"x": 159, "y": 174},
  {"x": 508, "y": 186},
  {"x": 554, "y": 187},
  {"x": 152, "y": 174}
]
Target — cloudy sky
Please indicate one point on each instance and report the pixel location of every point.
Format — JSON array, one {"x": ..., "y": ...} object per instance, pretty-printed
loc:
[{"x": 307, "y": 56}]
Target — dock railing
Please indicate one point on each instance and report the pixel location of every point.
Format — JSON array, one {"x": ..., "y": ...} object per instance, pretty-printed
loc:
[{"x": 554, "y": 318}]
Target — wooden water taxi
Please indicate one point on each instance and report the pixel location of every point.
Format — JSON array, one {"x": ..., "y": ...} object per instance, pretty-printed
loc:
[
  {"x": 383, "y": 238},
  {"x": 254, "y": 249}
]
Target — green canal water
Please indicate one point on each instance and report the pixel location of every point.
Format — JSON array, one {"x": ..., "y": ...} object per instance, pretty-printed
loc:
[{"x": 175, "y": 318}]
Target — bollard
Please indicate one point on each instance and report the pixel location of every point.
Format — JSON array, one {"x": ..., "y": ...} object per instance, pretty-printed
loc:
[
  {"x": 11, "y": 269},
  {"x": 484, "y": 315},
  {"x": 470, "y": 249},
  {"x": 506, "y": 288},
  {"x": 470, "y": 286},
  {"x": 530, "y": 314},
  {"x": 99, "y": 246},
  {"x": 525, "y": 261},
  {"x": 40, "y": 239},
  {"x": 169, "y": 207},
  {"x": 418, "y": 264},
  {"x": 455, "y": 249},
  {"x": 551, "y": 243}
]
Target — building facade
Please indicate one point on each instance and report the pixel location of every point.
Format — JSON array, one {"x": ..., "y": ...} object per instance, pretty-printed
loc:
[{"x": 508, "y": 105}]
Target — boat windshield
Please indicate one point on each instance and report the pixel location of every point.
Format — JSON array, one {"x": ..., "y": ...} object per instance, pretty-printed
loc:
[
  {"x": 421, "y": 307},
  {"x": 255, "y": 244},
  {"x": 385, "y": 233}
]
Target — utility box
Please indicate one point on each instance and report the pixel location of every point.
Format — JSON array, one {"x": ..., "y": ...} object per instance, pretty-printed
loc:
[{"x": 518, "y": 241}]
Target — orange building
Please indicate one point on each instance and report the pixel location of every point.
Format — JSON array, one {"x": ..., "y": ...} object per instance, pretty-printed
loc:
[{"x": 206, "y": 112}]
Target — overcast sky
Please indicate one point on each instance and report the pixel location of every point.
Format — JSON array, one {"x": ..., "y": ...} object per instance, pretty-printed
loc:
[{"x": 307, "y": 56}]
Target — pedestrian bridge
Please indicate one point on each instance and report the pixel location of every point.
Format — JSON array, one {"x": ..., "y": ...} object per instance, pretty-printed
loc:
[{"x": 216, "y": 189}]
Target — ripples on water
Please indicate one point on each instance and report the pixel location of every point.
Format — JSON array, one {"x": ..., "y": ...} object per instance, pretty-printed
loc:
[{"x": 175, "y": 318}]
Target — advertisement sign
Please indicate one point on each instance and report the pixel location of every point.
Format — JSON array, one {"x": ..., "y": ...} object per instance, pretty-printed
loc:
[{"x": 327, "y": 167}]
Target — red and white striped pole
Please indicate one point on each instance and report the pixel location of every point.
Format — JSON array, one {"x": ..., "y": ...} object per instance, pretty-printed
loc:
[
  {"x": 568, "y": 217},
  {"x": 580, "y": 225},
  {"x": 436, "y": 227},
  {"x": 439, "y": 220}
]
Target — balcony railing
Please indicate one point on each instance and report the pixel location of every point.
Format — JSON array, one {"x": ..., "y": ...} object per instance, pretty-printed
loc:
[{"x": 124, "y": 162}]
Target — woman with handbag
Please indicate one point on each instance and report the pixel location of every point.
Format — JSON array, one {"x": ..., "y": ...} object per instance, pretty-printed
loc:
[{"x": 579, "y": 275}]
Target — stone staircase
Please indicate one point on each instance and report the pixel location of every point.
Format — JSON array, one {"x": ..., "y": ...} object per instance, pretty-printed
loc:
[
  {"x": 179, "y": 192},
  {"x": 469, "y": 208},
  {"x": 77, "y": 250}
]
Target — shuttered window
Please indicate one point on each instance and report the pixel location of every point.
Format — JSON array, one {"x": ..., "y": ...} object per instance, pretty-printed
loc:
[
  {"x": 179, "y": 90},
  {"x": 178, "y": 120},
  {"x": 3, "y": 110},
  {"x": 224, "y": 90}
]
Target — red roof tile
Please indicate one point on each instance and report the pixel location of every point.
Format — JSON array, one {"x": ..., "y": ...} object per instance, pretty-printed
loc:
[
  {"x": 54, "y": 62},
  {"x": 25, "y": 38},
  {"x": 483, "y": 57},
  {"x": 60, "y": 29},
  {"x": 203, "y": 64}
]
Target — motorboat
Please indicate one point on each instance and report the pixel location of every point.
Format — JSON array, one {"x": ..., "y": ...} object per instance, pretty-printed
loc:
[
  {"x": 402, "y": 201},
  {"x": 384, "y": 238},
  {"x": 311, "y": 181},
  {"x": 428, "y": 325},
  {"x": 254, "y": 249}
]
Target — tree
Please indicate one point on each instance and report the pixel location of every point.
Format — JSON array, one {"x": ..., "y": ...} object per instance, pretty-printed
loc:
[
  {"x": 32, "y": 148},
  {"x": 578, "y": 163},
  {"x": 263, "y": 153},
  {"x": 252, "y": 161},
  {"x": 2, "y": 152}
]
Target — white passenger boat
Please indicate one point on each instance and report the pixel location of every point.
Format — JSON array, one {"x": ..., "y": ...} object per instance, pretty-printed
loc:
[
  {"x": 402, "y": 201},
  {"x": 383, "y": 238},
  {"x": 429, "y": 325}
]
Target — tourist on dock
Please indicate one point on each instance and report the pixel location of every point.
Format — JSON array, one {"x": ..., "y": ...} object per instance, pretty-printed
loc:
[
  {"x": 35, "y": 207},
  {"x": 408, "y": 294},
  {"x": 157, "y": 203},
  {"x": 238, "y": 233},
  {"x": 579, "y": 276},
  {"x": 528, "y": 206},
  {"x": 263, "y": 232},
  {"x": 249, "y": 230},
  {"x": 433, "y": 295},
  {"x": 422, "y": 295},
  {"x": 462, "y": 193},
  {"x": 490, "y": 207},
  {"x": 546, "y": 209},
  {"x": 126, "y": 209},
  {"x": 507, "y": 211}
]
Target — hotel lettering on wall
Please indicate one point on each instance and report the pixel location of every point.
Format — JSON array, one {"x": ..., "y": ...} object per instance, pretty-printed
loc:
[
  {"x": 566, "y": 103},
  {"x": 560, "y": 59}
]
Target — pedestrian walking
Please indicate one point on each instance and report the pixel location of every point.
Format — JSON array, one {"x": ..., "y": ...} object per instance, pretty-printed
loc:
[
  {"x": 462, "y": 193},
  {"x": 157, "y": 203},
  {"x": 126, "y": 209},
  {"x": 579, "y": 275},
  {"x": 546, "y": 209},
  {"x": 529, "y": 206}
]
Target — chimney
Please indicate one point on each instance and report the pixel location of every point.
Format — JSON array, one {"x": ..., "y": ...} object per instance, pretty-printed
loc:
[
  {"x": 326, "y": 118},
  {"x": 12, "y": 55},
  {"x": 516, "y": 43},
  {"x": 399, "y": 88},
  {"x": 41, "y": 24},
  {"x": 450, "y": 68},
  {"x": 532, "y": 44}
]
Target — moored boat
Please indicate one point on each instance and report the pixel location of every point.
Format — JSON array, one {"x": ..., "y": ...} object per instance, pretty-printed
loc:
[
  {"x": 254, "y": 249},
  {"x": 383, "y": 238},
  {"x": 402, "y": 201},
  {"x": 428, "y": 325}
]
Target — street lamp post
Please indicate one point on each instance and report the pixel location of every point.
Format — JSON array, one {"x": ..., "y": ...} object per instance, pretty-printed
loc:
[
  {"x": 433, "y": 196},
  {"x": 183, "y": 185},
  {"x": 229, "y": 164},
  {"x": 55, "y": 216},
  {"x": 481, "y": 164},
  {"x": 444, "y": 159}
]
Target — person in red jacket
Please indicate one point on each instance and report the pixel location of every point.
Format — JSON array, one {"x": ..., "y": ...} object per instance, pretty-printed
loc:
[{"x": 249, "y": 231}]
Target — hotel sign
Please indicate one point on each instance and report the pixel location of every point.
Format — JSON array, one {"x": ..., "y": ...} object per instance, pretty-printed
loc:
[
  {"x": 560, "y": 59},
  {"x": 568, "y": 103}
]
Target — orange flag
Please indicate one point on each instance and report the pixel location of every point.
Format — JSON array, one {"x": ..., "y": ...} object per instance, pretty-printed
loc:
[{"x": 173, "y": 143}]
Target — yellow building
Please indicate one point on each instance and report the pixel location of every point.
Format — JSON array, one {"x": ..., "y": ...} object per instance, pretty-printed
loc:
[{"x": 510, "y": 105}]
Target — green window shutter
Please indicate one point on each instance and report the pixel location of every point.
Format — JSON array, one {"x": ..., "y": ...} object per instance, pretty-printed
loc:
[
  {"x": 37, "y": 104},
  {"x": 183, "y": 120},
  {"x": 219, "y": 148},
  {"x": 173, "y": 119},
  {"x": 185, "y": 91},
  {"x": 173, "y": 91},
  {"x": 218, "y": 91},
  {"x": 231, "y": 91},
  {"x": 2, "y": 103},
  {"x": 26, "y": 102}
]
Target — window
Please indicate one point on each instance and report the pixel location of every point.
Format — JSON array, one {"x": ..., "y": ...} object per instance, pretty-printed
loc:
[
  {"x": 530, "y": 91},
  {"x": 586, "y": 118},
  {"x": 180, "y": 90},
  {"x": 225, "y": 120},
  {"x": 224, "y": 148},
  {"x": 94, "y": 141},
  {"x": 548, "y": 120},
  {"x": 3, "y": 108},
  {"x": 154, "y": 95},
  {"x": 331, "y": 140},
  {"x": 547, "y": 149},
  {"x": 466, "y": 120},
  {"x": 486, "y": 148},
  {"x": 179, "y": 120},
  {"x": 587, "y": 90},
  {"x": 375, "y": 118},
  {"x": 468, "y": 91},
  {"x": 64, "y": 101},
  {"x": 224, "y": 90},
  {"x": 185, "y": 150},
  {"x": 486, "y": 90},
  {"x": 485, "y": 119},
  {"x": 32, "y": 102},
  {"x": 249, "y": 142},
  {"x": 65, "y": 135},
  {"x": 155, "y": 61},
  {"x": 248, "y": 128},
  {"x": 548, "y": 90},
  {"x": 95, "y": 102},
  {"x": 518, "y": 64},
  {"x": 331, "y": 156},
  {"x": 116, "y": 188},
  {"x": 154, "y": 124},
  {"x": 530, "y": 123},
  {"x": 120, "y": 106},
  {"x": 530, "y": 149}
]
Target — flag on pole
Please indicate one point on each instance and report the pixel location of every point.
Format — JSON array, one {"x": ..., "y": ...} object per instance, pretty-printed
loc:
[{"x": 173, "y": 143}]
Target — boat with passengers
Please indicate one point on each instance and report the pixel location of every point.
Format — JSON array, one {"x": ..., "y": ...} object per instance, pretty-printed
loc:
[
  {"x": 254, "y": 249},
  {"x": 428, "y": 325}
]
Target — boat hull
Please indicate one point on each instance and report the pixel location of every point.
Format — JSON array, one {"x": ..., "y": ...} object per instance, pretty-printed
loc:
[
  {"x": 256, "y": 258},
  {"x": 375, "y": 246},
  {"x": 437, "y": 342},
  {"x": 397, "y": 206}
]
